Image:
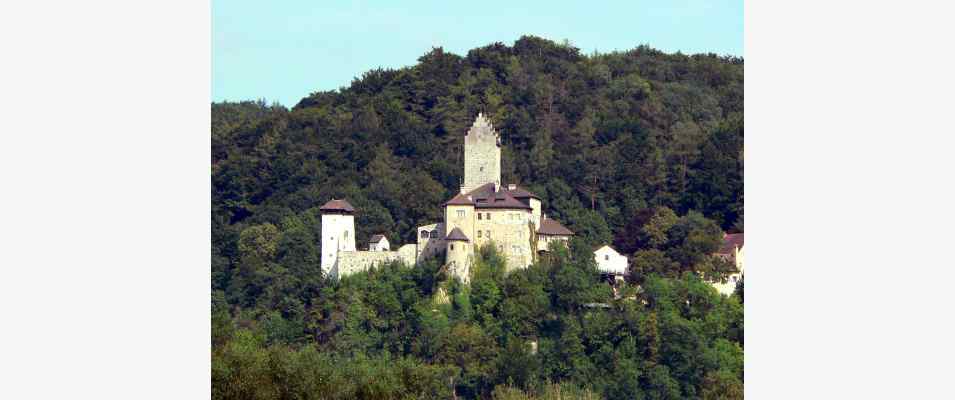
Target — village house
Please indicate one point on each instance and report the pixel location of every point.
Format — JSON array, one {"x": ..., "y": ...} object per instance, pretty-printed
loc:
[
  {"x": 732, "y": 250},
  {"x": 378, "y": 243}
]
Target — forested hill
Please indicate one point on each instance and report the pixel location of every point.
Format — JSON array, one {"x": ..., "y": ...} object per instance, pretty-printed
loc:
[
  {"x": 634, "y": 129},
  {"x": 639, "y": 148}
]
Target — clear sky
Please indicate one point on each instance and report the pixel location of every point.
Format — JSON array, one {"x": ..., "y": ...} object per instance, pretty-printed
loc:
[{"x": 284, "y": 50}]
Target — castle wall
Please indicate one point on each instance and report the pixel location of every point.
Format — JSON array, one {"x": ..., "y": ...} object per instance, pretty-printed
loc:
[
  {"x": 350, "y": 262},
  {"x": 408, "y": 253},
  {"x": 429, "y": 246}
]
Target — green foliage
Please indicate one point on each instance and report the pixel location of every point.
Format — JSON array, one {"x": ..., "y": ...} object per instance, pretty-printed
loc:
[
  {"x": 378, "y": 335},
  {"x": 638, "y": 147}
]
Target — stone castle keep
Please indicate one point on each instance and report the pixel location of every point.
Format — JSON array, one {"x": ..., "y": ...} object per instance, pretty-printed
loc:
[{"x": 484, "y": 212}]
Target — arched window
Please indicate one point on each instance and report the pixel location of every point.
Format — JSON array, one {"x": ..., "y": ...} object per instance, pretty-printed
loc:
[
  {"x": 424, "y": 234},
  {"x": 452, "y": 248}
]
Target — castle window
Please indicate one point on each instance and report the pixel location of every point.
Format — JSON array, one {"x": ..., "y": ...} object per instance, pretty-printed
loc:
[
  {"x": 452, "y": 247},
  {"x": 424, "y": 234},
  {"x": 488, "y": 234},
  {"x": 479, "y": 215},
  {"x": 487, "y": 215},
  {"x": 460, "y": 213},
  {"x": 479, "y": 232},
  {"x": 346, "y": 234},
  {"x": 434, "y": 234},
  {"x": 606, "y": 257}
]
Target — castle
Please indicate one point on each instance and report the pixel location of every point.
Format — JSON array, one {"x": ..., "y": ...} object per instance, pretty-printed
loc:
[{"x": 484, "y": 212}]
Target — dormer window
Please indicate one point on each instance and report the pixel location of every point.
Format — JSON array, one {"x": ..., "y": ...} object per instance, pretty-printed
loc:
[{"x": 424, "y": 234}]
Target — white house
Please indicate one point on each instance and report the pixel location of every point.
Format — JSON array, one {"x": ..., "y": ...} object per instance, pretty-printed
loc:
[
  {"x": 378, "y": 243},
  {"x": 610, "y": 262},
  {"x": 732, "y": 249}
]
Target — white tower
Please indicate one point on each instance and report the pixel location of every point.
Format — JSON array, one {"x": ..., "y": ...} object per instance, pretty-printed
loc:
[{"x": 338, "y": 233}]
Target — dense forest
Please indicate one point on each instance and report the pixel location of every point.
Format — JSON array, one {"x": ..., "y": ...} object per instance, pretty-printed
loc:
[{"x": 640, "y": 149}]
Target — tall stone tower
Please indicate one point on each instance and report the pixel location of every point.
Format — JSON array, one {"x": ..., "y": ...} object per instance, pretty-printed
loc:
[
  {"x": 482, "y": 155},
  {"x": 338, "y": 232}
]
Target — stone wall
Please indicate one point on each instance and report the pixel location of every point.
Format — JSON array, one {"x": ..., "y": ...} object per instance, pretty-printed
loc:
[
  {"x": 510, "y": 231},
  {"x": 429, "y": 246},
  {"x": 482, "y": 155},
  {"x": 408, "y": 253},
  {"x": 350, "y": 262}
]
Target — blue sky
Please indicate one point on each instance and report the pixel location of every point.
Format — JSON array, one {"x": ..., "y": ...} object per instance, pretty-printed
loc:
[{"x": 284, "y": 50}]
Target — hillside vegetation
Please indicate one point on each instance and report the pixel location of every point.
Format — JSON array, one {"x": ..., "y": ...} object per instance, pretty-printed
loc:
[{"x": 641, "y": 149}]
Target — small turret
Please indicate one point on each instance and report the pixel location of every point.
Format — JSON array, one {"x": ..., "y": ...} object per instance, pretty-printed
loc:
[{"x": 458, "y": 255}]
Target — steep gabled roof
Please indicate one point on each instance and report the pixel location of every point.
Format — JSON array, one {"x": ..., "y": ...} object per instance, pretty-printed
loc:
[
  {"x": 376, "y": 238},
  {"x": 484, "y": 196},
  {"x": 731, "y": 242},
  {"x": 456, "y": 234},
  {"x": 337, "y": 206},
  {"x": 550, "y": 226}
]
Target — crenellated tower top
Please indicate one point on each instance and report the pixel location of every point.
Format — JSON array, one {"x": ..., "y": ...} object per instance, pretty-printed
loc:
[{"x": 482, "y": 155}]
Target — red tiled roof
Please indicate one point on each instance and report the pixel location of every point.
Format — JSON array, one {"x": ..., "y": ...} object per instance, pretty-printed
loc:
[
  {"x": 550, "y": 226},
  {"x": 731, "y": 242},
  {"x": 337, "y": 206},
  {"x": 456, "y": 234}
]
